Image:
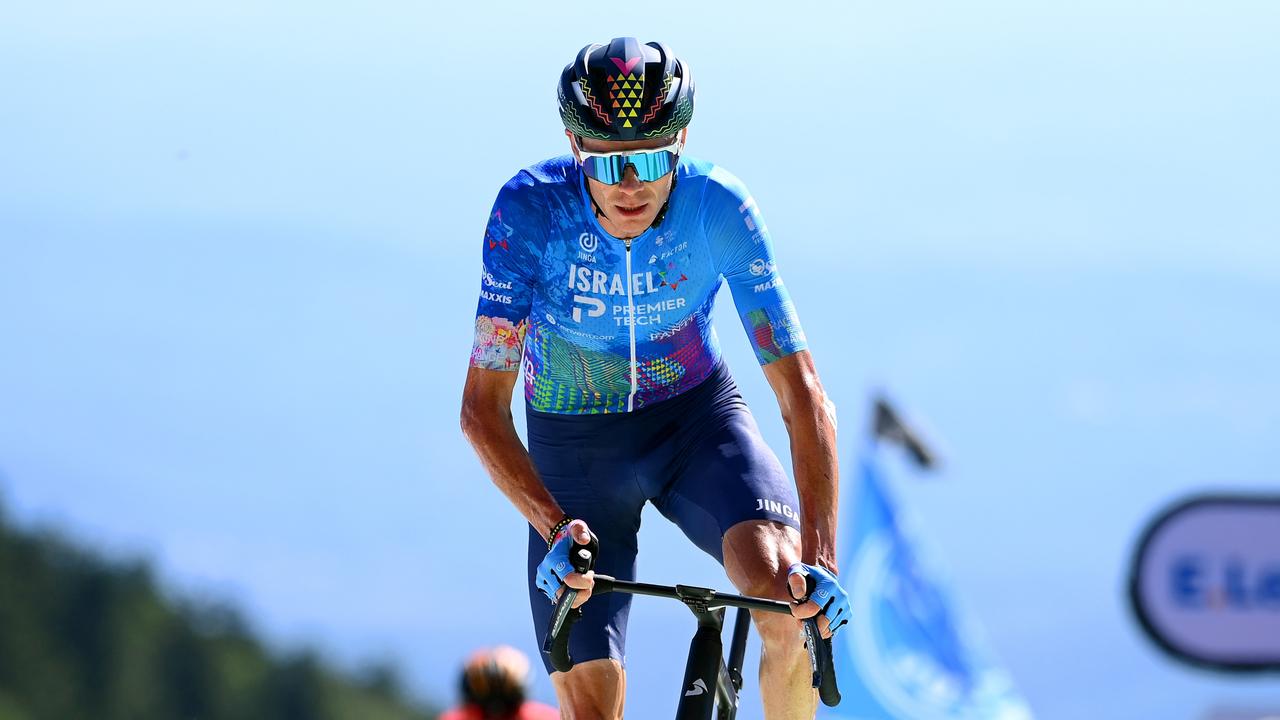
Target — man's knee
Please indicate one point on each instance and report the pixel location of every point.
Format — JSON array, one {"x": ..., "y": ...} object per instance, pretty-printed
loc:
[
  {"x": 593, "y": 690},
  {"x": 757, "y": 554}
]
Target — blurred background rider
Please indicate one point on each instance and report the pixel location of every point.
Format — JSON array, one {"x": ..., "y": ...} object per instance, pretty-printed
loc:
[{"x": 493, "y": 688}]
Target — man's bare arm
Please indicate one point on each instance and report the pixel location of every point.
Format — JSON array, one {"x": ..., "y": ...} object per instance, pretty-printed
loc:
[
  {"x": 810, "y": 417},
  {"x": 488, "y": 425}
]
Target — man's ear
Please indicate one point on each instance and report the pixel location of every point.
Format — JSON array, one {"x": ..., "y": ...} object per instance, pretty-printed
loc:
[{"x": 573, "y": 145}]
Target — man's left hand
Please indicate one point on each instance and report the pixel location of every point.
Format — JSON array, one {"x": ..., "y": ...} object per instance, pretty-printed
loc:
[{"x": 826, "y": 597}]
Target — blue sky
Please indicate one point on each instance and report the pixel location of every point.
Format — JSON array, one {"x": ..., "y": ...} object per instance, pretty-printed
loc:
[{"x": 238, "y": 249}]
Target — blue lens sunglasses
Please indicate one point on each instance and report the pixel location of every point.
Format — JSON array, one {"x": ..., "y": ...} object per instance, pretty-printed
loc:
[{"x": 651, "y": 164}]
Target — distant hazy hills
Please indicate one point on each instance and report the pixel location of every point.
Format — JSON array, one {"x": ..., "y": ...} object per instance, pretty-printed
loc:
[{"x": 84, "y": 638}]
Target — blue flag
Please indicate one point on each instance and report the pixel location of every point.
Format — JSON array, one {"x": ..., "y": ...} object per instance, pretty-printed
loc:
[{"x": 907, "y": 653}]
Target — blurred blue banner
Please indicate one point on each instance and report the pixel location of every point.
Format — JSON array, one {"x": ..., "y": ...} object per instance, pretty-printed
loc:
[{"x": 908, "y": 653}]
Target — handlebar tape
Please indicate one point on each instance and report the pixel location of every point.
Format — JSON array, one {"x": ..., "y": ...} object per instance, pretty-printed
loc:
[
  {"x": 563, "y": 618},
  {"x": 820, "y": 661}
]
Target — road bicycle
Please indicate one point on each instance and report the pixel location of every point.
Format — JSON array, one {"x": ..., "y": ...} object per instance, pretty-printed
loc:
[{"x": 711, "y": 683}]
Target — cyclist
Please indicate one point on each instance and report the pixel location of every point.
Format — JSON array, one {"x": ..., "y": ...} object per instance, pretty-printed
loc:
[
  {"x": 600, "y": 271},
  {"x": 493, "y": 688}
]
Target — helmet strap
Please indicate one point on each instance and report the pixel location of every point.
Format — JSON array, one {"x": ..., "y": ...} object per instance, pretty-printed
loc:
[
  {"x": 662, "y": 212},
  {"x": 594, "y": 205}
]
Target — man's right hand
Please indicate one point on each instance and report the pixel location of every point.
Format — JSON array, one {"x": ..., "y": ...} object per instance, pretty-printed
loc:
[{"x": 555, "y": 571}]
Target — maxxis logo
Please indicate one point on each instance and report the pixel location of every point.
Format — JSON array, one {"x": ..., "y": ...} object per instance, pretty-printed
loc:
[{"x": 588, "y": 242}]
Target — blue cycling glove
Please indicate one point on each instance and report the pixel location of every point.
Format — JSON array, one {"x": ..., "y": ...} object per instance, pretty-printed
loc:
[
  {"x": 555, "y": 567},
  {"x": 824, "y": 590},
  {"x": 565, "y": 557}
]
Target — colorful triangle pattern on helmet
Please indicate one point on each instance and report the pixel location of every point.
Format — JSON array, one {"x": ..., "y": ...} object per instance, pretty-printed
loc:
[{"x": 628, "y": 87}]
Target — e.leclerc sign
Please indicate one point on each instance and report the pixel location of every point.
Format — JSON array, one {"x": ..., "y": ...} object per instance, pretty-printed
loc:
[{"x": 1205, "y": 581}]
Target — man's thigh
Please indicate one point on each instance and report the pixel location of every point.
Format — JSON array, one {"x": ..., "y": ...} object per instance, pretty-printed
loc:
[
  {"x": 588, "y": 479},
  {"x": 729, "y": 476}
]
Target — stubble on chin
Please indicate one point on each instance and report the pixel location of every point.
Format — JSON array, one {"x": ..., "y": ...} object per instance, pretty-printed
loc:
[{"x": 636, "y": 227}]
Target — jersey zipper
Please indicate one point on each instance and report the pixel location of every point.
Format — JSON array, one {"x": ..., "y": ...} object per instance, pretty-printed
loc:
[{"x": 631, "y": 325}]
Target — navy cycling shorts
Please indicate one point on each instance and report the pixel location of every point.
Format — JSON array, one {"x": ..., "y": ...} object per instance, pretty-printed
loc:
[{"x": 698, "y": 457}]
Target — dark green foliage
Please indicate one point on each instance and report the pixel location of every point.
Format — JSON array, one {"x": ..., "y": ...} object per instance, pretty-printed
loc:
[{"x": 84, "y": 638}]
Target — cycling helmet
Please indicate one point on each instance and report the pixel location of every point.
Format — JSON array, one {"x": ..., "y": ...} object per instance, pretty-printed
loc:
[
  {"x": 494, "y": 679},
  {"x": 626, "y": 91}
]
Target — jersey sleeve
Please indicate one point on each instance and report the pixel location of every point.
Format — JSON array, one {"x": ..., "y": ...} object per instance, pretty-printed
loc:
[
  {"x": 743, "y": 252},
  {"x": 512, "y": 242}
]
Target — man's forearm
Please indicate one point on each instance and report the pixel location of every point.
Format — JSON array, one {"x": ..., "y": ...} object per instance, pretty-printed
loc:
[
  {"x": 493, "y": 435},
  {"x": 812, "y": 428}
]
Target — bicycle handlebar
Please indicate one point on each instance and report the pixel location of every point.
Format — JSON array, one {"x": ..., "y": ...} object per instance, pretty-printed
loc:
[{"x": 564, "y": 616}]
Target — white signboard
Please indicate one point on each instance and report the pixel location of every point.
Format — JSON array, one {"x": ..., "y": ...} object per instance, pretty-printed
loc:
[{"x": 1205, "y": 582}]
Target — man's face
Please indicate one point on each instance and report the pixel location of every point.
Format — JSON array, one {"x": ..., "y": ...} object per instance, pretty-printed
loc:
[{"x": 630, "y": 206}]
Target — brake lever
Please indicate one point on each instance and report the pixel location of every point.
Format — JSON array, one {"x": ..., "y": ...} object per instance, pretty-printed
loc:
[
  {"x": 565, "y": 615},
  {"x": 821, "y": 662}
]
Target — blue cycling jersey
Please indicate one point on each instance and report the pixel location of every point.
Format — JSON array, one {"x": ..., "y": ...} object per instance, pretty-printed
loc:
[{"x": 606, "y": 325}]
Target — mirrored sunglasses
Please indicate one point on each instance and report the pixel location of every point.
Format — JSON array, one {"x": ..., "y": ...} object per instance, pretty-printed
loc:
[{"x": 650, "y": 165}]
